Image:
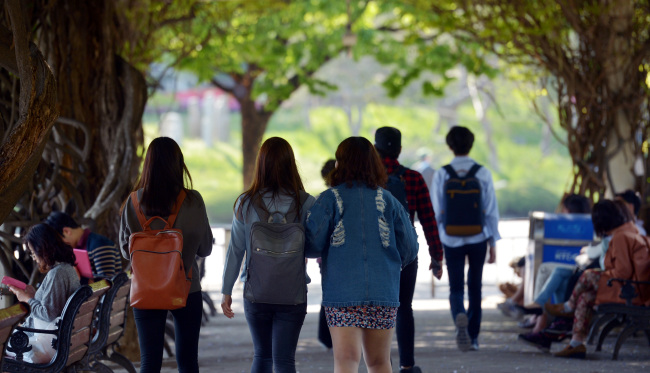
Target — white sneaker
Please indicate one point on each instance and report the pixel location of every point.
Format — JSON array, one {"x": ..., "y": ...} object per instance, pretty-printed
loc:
[{"x": 462, "y": 338}]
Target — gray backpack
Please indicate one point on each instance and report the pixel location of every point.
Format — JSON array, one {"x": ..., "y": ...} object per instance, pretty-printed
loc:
[{"x": 276, "y": 270}]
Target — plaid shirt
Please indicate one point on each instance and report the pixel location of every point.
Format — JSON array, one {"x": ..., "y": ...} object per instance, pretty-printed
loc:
[{"x": 419, "y": 201}]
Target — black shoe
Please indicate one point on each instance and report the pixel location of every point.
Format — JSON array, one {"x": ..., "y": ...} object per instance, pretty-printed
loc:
[
  {"x": 530, "y": 311},
  {"x": 538, "y": 340},
  {"x": 413, "y": 369},
  {"x": 557, "y": 337},
  {"x": 561, "y": 325}
]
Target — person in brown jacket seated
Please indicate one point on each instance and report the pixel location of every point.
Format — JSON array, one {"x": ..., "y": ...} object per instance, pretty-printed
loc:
[{"x": 628, "y": 257}]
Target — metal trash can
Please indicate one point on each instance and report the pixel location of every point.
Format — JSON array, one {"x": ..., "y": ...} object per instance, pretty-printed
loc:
[{"x": 554, "y": 240}]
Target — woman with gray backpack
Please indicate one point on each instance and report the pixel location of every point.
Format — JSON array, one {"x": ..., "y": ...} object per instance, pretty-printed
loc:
[{"x": 268, "y": 236}]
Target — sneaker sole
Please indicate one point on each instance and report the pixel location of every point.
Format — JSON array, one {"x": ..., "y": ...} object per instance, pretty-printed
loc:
[
  {"x": 539, "y": 347},
  {"x": 462, "y": 339}
]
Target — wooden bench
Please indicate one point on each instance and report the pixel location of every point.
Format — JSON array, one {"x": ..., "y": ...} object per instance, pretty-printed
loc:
[
  {"x": 628, "y": 316},
  {"x": 109, "y": 327},
  {"x": 72, "y": 338},
  {"x": 9, "y": 318}
]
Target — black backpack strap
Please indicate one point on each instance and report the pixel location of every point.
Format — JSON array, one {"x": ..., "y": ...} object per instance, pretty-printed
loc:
[
  {"x": 451, "y": 172},
  {"x": 260, "y": 208},
  {"x": 472, "y": 171},
  {"x": 399, "y": 171},
  {"x": 293, "y": 215}
]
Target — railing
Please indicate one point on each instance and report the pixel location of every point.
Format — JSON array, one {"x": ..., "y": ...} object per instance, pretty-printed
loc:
[{"x": 514, "y": 233}]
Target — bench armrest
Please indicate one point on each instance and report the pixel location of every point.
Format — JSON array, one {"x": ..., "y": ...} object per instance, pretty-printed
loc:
[
  {"x": 19, "y": 340},
  {"x": 39, "y": 331}
]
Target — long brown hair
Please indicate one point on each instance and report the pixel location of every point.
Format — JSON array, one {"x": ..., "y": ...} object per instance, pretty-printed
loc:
[
  {"x": 163, "y": 176},
  {"x": 275, "y": 171},
  {"x": 358, "y": 161}
]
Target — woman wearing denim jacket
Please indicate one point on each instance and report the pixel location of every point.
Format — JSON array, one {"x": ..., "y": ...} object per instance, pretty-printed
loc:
[
  {"x": 364, "y": 237},
  {"x": 275, "y": 328}
]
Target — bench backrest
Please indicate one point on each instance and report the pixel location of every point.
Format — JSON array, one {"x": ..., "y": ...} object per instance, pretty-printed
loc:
[
  {"x": 82, "y": 325},
  {"x": 112, "y": 313},
  {"x": 9, "y": 318}
]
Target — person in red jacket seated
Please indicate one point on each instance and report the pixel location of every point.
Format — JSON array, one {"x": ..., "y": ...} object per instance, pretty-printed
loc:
[{"x": 628, "y": 257}]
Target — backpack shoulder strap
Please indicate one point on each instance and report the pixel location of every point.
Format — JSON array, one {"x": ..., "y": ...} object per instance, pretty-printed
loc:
[
  {"x": 260, "y": 208},
  {"x": 450, "y": 170},
  {"x": 472, "y": 171},
  {"x": 177, "y": 207},
  {"x": 399, "y": 171},
  {"x": 144, "y": 223},
  {"x": 138, "y": 211},
  {"x": 293, "y": 214}
]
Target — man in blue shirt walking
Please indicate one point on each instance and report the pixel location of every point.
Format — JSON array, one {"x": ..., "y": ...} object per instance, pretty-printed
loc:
[{"x": 472, "y": 248}]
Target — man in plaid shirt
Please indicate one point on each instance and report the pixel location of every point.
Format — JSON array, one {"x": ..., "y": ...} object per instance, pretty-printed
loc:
[{"x": 388, "y": 142}]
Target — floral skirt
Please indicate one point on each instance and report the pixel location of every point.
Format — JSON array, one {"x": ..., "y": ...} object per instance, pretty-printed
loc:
[{"x": 368, "y": 317}]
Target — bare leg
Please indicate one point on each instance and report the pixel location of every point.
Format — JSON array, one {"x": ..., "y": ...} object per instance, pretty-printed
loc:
[
  {"x": 376, "y": 349},
  {"x": 540, "y": 323},
  {"x": 346, "y": 343},
  {"x": 518, "y": 296}
]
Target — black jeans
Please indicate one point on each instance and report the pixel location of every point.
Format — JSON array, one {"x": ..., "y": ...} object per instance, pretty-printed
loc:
[
  {"x": 275, "y": 329},
  {"x": 151, "y": 335},
  {"x": 455, "y": 257},
  {"x": 405, "y": 327}
]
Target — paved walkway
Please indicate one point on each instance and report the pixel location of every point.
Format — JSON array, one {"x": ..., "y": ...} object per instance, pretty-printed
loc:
[{"x": 226, "y": 345}]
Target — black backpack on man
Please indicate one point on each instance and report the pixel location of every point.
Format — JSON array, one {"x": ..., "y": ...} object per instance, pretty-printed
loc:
[
  {"x": 463, "y": 211},
  {"x": 396, "y": 185}
]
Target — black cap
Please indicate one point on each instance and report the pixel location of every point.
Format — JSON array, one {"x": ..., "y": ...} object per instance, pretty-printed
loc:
[{"x": 388, "y": 140}]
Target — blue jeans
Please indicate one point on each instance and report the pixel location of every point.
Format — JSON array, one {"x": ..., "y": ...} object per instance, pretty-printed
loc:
[
  {"x": 555, "y": 285},
  {"x": 275, "y": 329},
  {"x": 455, "y": 258},
  {"x": 405, "y": 328},
  {"x": 151, "y": 335}
]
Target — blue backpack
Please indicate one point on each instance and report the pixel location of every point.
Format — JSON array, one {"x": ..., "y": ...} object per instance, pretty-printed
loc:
[
  {"x": 462, "y": 209},
  {"x": 396, "y": 185}
]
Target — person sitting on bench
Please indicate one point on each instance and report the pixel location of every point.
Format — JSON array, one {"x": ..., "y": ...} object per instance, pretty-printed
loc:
[{"x": 56, "y": 259}]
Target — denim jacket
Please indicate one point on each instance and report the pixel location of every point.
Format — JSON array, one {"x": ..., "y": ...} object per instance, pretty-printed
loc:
[
  {"x": 241, "y": 232},
  {"x": 365, "y": 238}
]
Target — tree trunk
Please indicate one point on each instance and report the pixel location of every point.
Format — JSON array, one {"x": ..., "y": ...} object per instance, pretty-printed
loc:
[
  {"x": 254, "y": 123},
  {"x": 481, "y": 115},
  {"x": 21, "y": 152},
  {"x": 545, "y": 144},
  {"x": 106, "y": 96},
  {"x": 621, "y": 148}
]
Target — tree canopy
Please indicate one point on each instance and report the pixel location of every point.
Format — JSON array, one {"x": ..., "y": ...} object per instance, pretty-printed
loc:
[{"x": 594, "y": 58}]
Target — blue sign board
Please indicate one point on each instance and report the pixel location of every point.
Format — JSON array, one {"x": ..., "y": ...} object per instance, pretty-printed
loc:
[
  {"x": 560, "y": 254},
  {"x": 568, "y": 226}
]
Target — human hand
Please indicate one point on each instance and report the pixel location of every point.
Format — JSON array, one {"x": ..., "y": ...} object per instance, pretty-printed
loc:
[
  {"x": 436, "y": 268},
  {"x": 492, "y": 255},
  {"x": 23, "y": 295},
  {"x": 226, "y": 303}
]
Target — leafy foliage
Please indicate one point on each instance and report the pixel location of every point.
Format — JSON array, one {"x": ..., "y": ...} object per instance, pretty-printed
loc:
[{"x": 596, "y": 54}]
